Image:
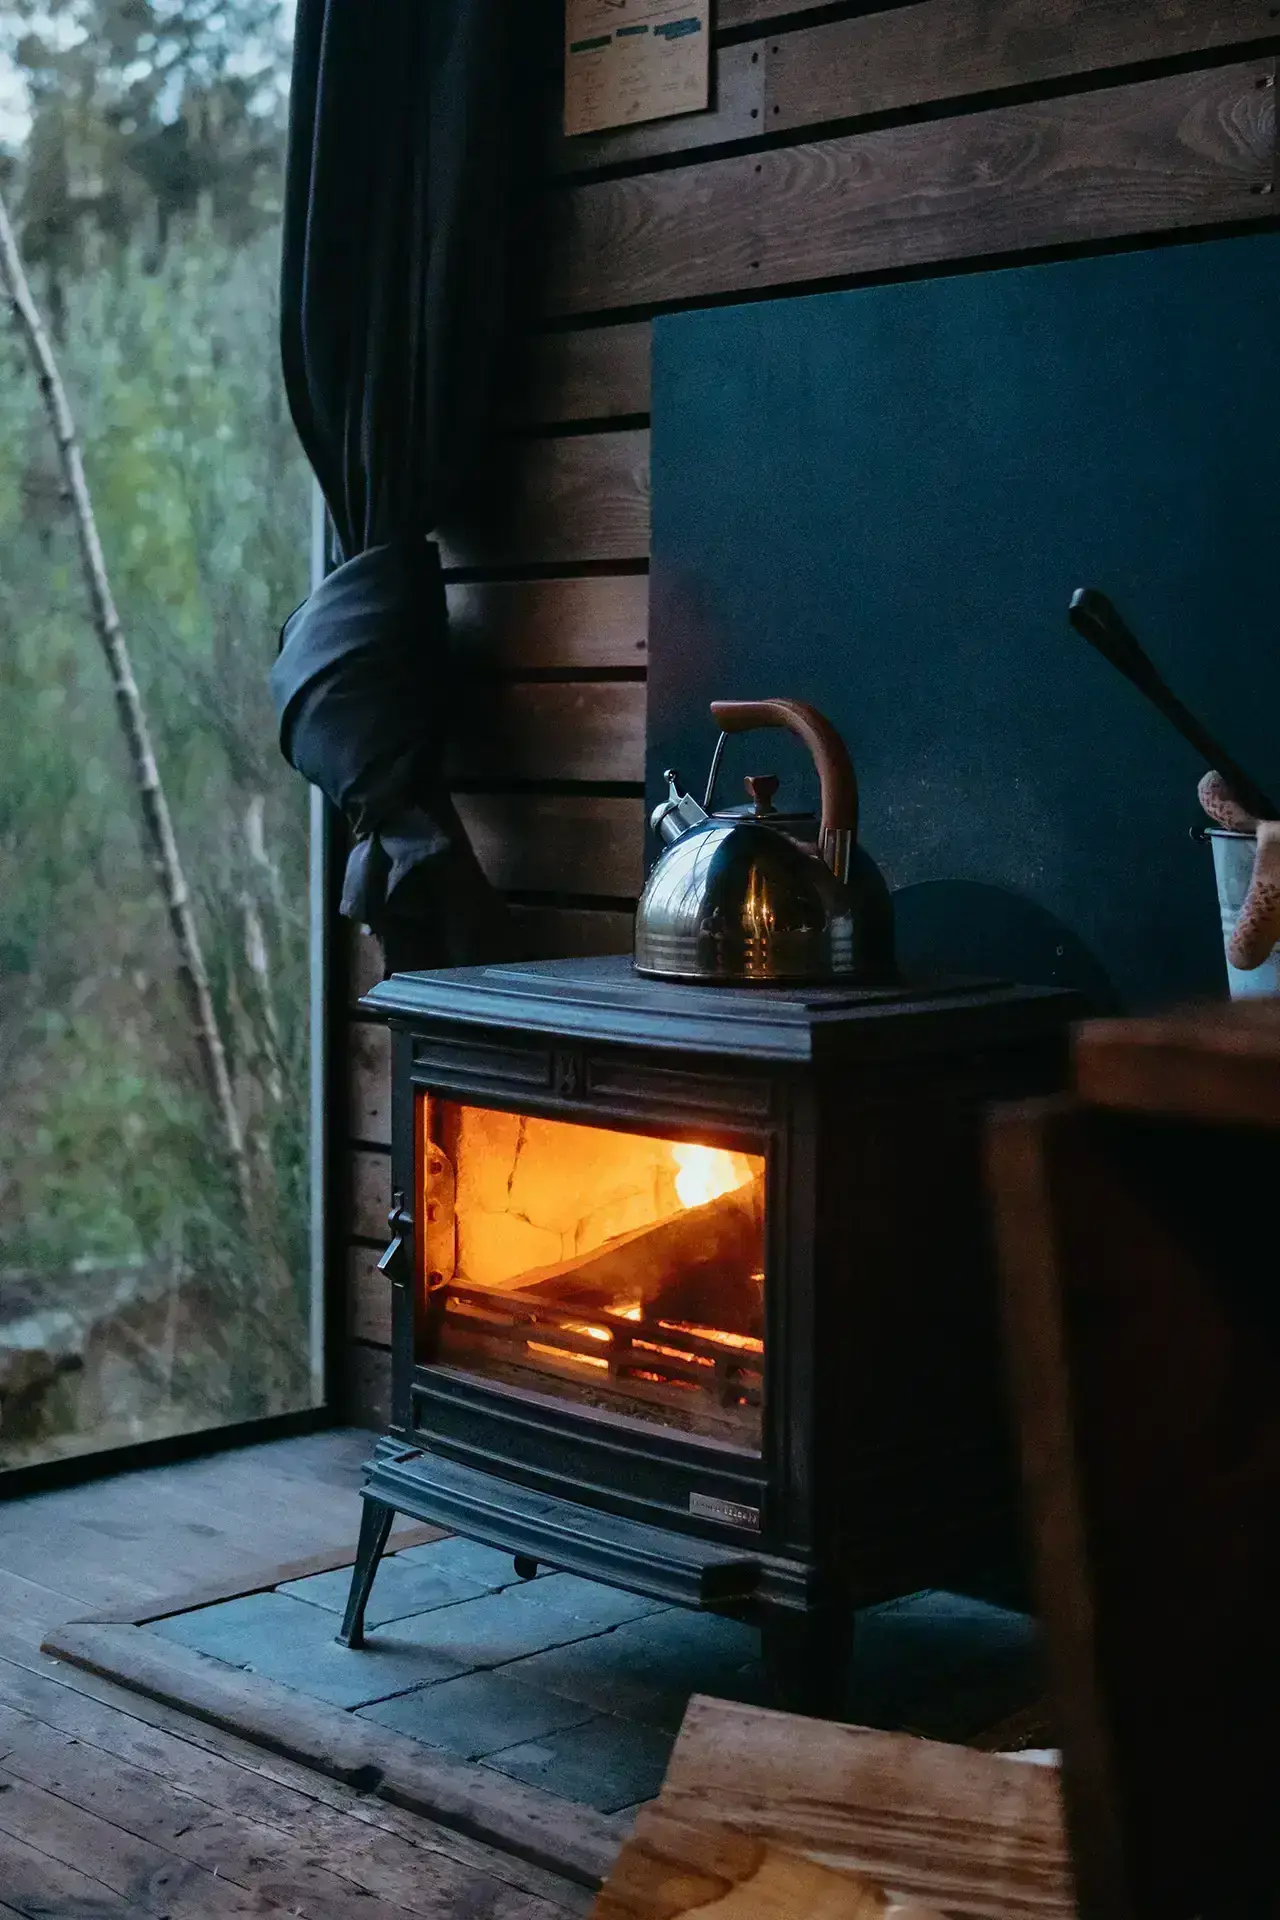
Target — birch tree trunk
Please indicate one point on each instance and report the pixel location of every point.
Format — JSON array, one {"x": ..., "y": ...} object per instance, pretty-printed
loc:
[{"x": 156, "y": 820}]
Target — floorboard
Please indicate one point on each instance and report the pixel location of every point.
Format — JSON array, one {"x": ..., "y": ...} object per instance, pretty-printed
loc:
[
  {"x": 150, "y": 1534},
  {"x": 113, "y": 1807},
  {"x": 41, "y": 1888}
]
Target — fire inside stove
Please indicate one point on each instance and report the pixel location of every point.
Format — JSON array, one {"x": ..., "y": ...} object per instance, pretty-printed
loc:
[{"x": 618, "y": 1270}]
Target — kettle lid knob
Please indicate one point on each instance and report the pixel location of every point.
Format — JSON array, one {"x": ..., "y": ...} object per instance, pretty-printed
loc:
[{"x": 761, "y": 788}]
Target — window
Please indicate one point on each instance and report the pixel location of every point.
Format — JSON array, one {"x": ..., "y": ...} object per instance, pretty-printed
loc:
[{"x": 153, "y": 1278}]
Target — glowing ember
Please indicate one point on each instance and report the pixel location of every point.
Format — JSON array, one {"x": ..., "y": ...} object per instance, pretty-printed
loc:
[
  {"x": 706, "y": 1173},
  {"x": 634, "y": 1312},
  {"x": 740, "y": 1342},
  {"x": 673, "y": 1353},
  {"x": 592, "y": 1333},
  {"x": 562, "y": 1353}
]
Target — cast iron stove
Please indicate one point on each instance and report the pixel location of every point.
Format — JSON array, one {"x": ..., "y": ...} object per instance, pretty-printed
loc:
[{"x": 693, "y": 1291}]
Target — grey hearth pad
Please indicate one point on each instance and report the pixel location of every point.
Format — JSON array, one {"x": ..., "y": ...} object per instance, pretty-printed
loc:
[{"x": 578, "y": 1688}]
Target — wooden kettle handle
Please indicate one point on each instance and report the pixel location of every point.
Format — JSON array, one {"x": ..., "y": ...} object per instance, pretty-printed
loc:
[{"x": 830, "y": 755}]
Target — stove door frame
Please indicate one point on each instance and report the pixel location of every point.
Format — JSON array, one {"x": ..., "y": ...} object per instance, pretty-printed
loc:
[{"x": 763, "y": 1108}]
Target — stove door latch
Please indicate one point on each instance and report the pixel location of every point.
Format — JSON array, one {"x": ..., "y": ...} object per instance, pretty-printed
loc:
[
  {"x": 395, "y": 1259},
  {"x": 437, "y": 1228}
]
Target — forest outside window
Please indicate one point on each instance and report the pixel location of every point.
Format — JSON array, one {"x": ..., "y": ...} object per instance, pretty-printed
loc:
[{"x": 155, "y": 1212}]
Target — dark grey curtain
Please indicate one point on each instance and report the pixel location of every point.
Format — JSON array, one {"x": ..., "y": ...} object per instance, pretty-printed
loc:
[{"x": 397, "y": 234}]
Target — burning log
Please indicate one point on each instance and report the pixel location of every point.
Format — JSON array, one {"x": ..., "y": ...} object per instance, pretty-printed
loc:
[{"x": 703, "y": 1266}]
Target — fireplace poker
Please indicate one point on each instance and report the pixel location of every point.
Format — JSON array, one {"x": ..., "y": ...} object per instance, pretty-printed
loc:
[{"x": 1097, "y": 621}]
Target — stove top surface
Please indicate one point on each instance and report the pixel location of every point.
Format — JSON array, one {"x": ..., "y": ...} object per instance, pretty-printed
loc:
[{"x": 605, "y": 998}]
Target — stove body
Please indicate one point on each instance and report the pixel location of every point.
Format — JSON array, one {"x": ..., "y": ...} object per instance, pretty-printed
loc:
[{"x": 693, "y": 1289}]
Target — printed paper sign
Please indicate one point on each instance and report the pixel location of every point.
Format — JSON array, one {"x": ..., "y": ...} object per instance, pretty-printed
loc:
[{"x": 629, "y": 60}]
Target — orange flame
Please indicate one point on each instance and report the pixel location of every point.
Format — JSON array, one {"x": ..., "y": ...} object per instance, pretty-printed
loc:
[{"x": 706, "y": 1173}]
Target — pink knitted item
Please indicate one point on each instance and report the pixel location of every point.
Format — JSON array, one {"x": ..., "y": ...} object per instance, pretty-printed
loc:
[{"x": 1257, "y": 931}]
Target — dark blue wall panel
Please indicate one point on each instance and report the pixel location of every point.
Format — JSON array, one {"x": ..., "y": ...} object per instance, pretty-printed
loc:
[{"x": 881, "y": 501}]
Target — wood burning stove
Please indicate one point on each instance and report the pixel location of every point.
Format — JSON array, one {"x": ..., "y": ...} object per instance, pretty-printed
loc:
[{"x": 692, "y": 1288}]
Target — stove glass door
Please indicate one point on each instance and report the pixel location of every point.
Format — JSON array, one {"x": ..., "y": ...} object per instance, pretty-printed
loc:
[{"x": 618, "y": 1270}]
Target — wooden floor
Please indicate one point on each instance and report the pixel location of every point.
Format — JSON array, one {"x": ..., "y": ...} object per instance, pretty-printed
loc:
[{"x": 111, "y": 1806}]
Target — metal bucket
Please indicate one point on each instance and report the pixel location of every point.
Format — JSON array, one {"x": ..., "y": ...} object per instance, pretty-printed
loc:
[{"x": 1233, "y": 855}]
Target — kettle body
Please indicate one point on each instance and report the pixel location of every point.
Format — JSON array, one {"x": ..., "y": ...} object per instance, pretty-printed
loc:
[{"x": 741, "y": 898}]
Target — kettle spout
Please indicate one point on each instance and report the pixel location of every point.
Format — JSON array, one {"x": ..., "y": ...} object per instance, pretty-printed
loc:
[{"x": 678, "y": 813}]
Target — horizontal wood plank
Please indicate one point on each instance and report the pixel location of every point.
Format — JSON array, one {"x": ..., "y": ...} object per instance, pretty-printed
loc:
[
  {"x": 364, "y": 960},
  {"x": 549, "y": 1832},
  {"x": 366, "y": 1386},
  {"x": 368, "y": 1298},
  {"x": 370, "y": 1189},
  {"x": 1189, "y": 150},
  {"x": 892, "y": 60},
  {"x": 549, "y": 730},
  {"x": 583, "y": 497},
  {"x": 678, "y": 1869},
  {"x": 942, "y": 49},
  {"x": 531, "y": 625},
  {"x": 553, "y": 843},
  {"x": 1217, "y": 1064},
  {"x": 386, "y": 1852},
  {"x": 586, "y": 373},
  {"x": 965, "y": 1831},
  {"x": 751, "y": 13},
  {"x": 565, "y": 933},
  {"x": 369, "y": 1082},
  {"x": 40, "y": 1887},
  {"x": 197, "y": 1858}
]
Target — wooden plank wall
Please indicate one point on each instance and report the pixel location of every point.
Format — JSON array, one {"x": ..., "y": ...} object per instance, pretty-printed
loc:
[{"x": 845, "y": 146}]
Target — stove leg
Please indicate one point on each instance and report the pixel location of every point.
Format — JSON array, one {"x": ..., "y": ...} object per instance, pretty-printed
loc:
[
  {"x": 806, "y": 1659},
  {"x": 375, "y": 1525}
]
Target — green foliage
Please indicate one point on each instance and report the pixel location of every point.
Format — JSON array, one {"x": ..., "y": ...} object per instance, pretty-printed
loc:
[
  {"x": 108, "y": 1150},
  {"x": 146, "y": 113}
]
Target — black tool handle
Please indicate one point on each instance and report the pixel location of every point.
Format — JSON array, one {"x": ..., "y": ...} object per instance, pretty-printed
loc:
[{"x": 1096, "y": 620}]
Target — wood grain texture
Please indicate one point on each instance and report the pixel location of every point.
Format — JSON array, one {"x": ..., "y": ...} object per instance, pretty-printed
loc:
[
  {"x": 141, "y": 1832},
  {"x": 588, "y": 373},
  {"x": 551, "y": 843},
  {"x": 1190, "y": 150},
  {"x": 894, "y": 59},
  {"x": 224, "y": 1771},
  {"x": 366, "y": 1386},
  {"x": 945, "y": 1825},
  {"x": 526, "y": 1820},
  {"x": 1216, "y": 1064},
  {"x": 545, "y": 624},
  {"x": 159, "y": 1880},
  {"x": 564, "y": 933},
  {"x": 942, "y": 49},
  {"x": 370, "y": 1176},
  {"x": 29, "y": 1608},
  {"x": 575, "y": 730},
  {"x": 140, "y": 1536},
  {"x": 380, "y": 1849},
  {"x": 750, "y": 13},
  {"x": 1036, "y": 1341},
  {"x": 675, "y": 1867},
  {"x": 364, "y": 960},
  {"x": 578, "y": 498},
  {"x": 369, "y": 1082},
  {"x": 368, "y": 1296},
  {"x": 737, "y": 113},
  {"x": 40, "y": 1888},
  {"x": 1142, "y": 1334}
]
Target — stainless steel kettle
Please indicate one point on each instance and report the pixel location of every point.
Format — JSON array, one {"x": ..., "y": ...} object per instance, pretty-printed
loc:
[{"x": 739, "y": 896}]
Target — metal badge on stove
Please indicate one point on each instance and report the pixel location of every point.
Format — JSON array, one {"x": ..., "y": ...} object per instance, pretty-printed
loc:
[{"x": 707, "y": 1507}]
